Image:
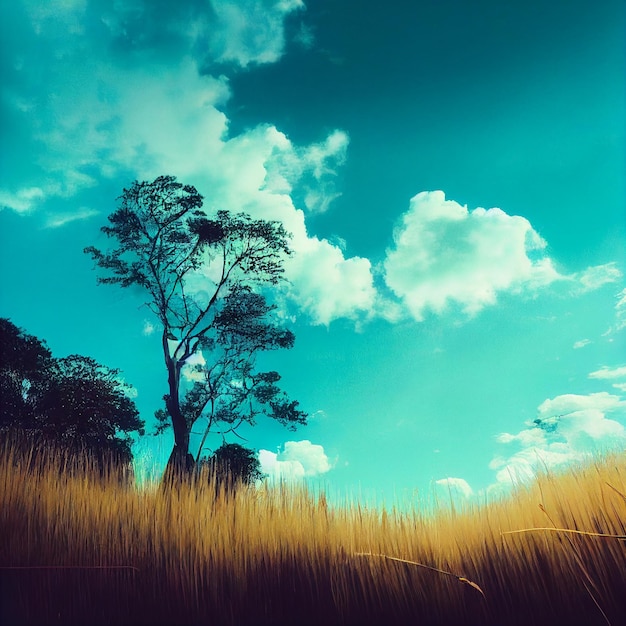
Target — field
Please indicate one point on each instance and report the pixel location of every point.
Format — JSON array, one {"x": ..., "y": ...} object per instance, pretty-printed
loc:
[{"x": 86, "y": 550}]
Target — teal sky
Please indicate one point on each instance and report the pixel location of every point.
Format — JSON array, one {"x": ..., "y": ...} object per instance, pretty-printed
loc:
[{"x": 453, "y": 176}]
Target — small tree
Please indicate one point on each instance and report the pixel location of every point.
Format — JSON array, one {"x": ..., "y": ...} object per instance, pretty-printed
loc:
[
  {"x": 232, "y": 465},
  {"x": 204, "y": 279}
]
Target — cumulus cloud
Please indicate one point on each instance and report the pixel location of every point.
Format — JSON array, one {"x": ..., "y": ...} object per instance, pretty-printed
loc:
[
  {"x": 445, "y": 254},
  {"x": 568, "y": 428},
  {"x": 455, "y": 487},
  {"x": 131, "y": 99},
  {"x": 297, "y": 460}
]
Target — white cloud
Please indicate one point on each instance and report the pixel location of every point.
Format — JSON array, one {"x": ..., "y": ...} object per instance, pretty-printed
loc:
[
  {"x": 23, "y": 200},
  {"x": 444, "y": 253},
  {"x": 581, "y": 344},
  {"x": 608, "y": 373},
  {"x": 56, "y": 221},
  {"x": 575, "y": 426},
  {"x": 620, "y": 312},
  {"x": 328, "y": 286},
  {"x": 599, "y": 275},
  {"x": 568, "y": 404},
  {"x": 322, "y": 161},
  {"x": 148, "y": 328},
  {"x": 611, "y": 373},
  {"x": 455, "y": 487},
  {"x": 111, "y": 116},
  {"x": 298, "y": 459},
  {"x": 250, "y": 31}
]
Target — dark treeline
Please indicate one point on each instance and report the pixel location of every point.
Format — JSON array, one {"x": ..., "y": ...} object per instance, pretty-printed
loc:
[{"x": 72, "y": 405}]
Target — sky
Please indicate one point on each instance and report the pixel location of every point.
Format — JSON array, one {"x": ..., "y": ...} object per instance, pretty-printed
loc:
[{"x": 451, "y": 172}]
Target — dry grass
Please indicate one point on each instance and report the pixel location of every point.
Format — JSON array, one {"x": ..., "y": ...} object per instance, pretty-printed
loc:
[{"x": 86, "y": 551}]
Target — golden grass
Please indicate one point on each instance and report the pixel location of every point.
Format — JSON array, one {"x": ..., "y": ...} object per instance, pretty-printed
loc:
[{"x": 76, "y": 549}]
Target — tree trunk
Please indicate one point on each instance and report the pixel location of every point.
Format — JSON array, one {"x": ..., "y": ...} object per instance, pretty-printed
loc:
[{"x": 180, "y": 464}]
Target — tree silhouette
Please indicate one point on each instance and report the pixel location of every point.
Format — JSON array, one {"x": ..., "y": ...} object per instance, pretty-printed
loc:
[
  {"x": 25, "y": 362},
  {"x": 87, "y": 407},
  {"x": 205, "y": 280},
  {"x": 232, "y": 465},
  {"x": 74, "y": 403}
]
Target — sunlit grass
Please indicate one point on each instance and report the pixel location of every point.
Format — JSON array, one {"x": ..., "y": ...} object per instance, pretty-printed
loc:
[{"x": 76, "y": 549}]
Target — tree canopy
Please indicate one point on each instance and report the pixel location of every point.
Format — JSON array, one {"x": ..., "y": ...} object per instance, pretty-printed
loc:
[
  {"x": 72, "y": 402},
  {"x": 231, "y": 465},
  {"x": 206, "y": 280}
]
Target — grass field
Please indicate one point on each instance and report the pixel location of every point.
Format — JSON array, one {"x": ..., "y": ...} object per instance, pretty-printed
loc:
[{"x": 81, "y": 550}]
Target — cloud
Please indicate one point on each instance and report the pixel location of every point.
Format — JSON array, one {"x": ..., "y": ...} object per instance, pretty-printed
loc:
[
  {"x": 298, "y": 459},
  {"x": 320, "y": 161},
  {"x": 596, "y": 276},
  {"x": 93, "y": 87},
  {"x": 445, "y": 254},
  {"x": 328, "y": 286},
  {"x": 568, "y": 428},
  {"x": 249, "y": 31},
  {"x": 581, "y": 344},
  {"x": 620, "y": 312},
  {"x": 56, "y": 221},
  {"x": 22, "y": 200},
  {"x": 123, "y": 94},
  {"x": 455, "y": 487},
  {"x": 608, "y": 373}
]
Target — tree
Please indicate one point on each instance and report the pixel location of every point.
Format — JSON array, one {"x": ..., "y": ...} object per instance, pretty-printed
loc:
[
  {"x": 25, "y": 363},
  {"x": 74, "y": 403},
  {"x": 204, "y": 280},
  {"x": 232, "y": 464},
  {"x": 87, "y": 407}
]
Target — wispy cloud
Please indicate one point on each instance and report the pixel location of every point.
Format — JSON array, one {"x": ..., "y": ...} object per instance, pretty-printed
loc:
[
  {"x": 249, "y": 31},
  {"x": 617, "y": 376},
  {"x": 609, "y": 373},
  {"x": 23, "y": 200},
  {"x": 620, "y": 312},
  {"x": 581, "y": 344},
  {"x": 56, "y": 221},
  {"x": 597, "y": 276}
]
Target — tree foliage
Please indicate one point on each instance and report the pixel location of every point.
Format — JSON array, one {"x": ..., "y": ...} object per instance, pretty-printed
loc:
[
  {"x": 205, "y": 279},
  {"x": 231, "y": 465},
  {"x": 24, "y": 365},
  {"x": 73, "y": 402}
]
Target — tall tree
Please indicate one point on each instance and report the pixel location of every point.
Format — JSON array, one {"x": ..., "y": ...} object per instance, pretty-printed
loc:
[{"x": 204, "y": 279}]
